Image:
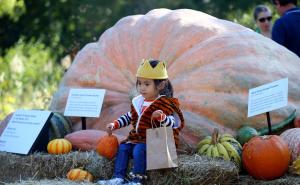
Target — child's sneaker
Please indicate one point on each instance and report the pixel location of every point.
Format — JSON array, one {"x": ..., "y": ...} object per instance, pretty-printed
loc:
[
  {"x": 133, "y": 183},
  {"x": 136, "y": 179},
  {"x": 114, "y": 181}
]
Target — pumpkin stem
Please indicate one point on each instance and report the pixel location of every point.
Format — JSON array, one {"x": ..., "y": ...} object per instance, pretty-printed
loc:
[
  {"x": 215, "y": 136},
  {"x": 109, "y": 131},
  {"x": 265, "y": 137}
]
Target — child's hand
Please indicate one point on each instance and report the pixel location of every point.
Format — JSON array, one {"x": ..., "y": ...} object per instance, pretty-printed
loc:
[
  {"x": 159, "y": 115},
  {"x": 110, "y": 127}
]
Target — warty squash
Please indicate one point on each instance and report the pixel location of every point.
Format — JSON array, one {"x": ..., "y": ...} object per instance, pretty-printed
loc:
[
  {"x": 212, "y": 63},
  {"x": 292, "y": 138}
]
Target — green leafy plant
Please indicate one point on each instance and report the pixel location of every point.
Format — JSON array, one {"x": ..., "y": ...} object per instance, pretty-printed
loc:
[{"x": 28, "y": 77}]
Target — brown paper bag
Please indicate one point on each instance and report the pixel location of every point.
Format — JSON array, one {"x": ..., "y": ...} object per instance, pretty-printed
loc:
[{"x": 161, "y": 150}]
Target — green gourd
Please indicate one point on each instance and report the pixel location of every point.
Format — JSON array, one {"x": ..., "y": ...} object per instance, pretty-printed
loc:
[
  {"x": 245, "y": 133},
  {"x": 59, "y": 126}
]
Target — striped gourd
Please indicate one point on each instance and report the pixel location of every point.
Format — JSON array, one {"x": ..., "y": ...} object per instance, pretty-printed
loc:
[
  {"x": 78, "y": 174},
  {"x": 59, "y": 126},
  {"x": 59, "y": 146}
]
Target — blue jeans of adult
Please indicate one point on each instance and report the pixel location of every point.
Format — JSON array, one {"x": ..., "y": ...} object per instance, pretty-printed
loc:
[{"x": 137, "y": 151}]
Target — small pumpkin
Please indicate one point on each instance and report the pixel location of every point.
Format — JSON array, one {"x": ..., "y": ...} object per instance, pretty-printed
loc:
[
  {"x": 224, "y": 146},
  {"x": 59, "y": 146},
  {"x": 292, "y": 138},
  {"x": 108, "y": 146},
  {"x": 78, "y": 174},
  {"x": 266, "y": 157}
]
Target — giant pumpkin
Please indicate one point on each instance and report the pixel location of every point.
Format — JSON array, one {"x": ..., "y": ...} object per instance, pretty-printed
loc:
[{"x": 212, "y": 63}]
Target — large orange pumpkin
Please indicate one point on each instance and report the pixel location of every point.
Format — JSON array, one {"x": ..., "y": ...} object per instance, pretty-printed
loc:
[
  {"x": 108, "y": 146},
  {"x": 266, "y": 157},
  {"x": 212, "y": 63}
]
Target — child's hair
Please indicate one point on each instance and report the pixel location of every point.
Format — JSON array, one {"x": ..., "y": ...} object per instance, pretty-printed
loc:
[
  {"x": 258, "y": 9},
  {"x": 168, "y": 88}
]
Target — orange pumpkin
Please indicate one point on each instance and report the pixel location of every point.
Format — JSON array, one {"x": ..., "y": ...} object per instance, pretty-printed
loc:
[
  {"x": 266, "y": 157},
  {"x": 59, "y": 146},
  {"x": 78, "y": 174},
  {"x": 212, "y": 63},
  {"x": 108, "y": 146}
]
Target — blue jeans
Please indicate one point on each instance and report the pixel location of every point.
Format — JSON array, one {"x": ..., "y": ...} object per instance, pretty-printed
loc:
[{"x": 137, "y": 151}]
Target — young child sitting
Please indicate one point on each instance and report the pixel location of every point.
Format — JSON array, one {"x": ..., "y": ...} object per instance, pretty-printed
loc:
[{"x": 155, "y": 101}]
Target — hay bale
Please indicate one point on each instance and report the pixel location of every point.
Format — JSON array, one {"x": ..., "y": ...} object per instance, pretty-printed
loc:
[
  {"x": 196, "y": 169},
  {"x": 56, "y": 181},
  {"x": 42, "y": 165},
  {"x": 285, "y": 180},
  {"x": 46, "y": 169},
  {"x": 243, "y": 180},
  {"x": 193, "y": 169}
]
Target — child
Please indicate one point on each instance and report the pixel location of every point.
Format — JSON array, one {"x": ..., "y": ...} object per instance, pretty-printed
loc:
[{"x": 155, "y": 101}]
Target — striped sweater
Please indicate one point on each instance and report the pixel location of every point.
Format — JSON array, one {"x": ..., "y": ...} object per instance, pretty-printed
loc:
[{"x": 142, "y": 120}]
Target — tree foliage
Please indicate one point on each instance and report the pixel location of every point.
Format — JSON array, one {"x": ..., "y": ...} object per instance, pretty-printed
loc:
[
  {"x": 29, "y": 77},
  {"x": 36, "y": 35}
]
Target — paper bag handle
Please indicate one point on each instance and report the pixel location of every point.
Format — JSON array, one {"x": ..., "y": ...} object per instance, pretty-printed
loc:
[{"x": 152, "y": 122}]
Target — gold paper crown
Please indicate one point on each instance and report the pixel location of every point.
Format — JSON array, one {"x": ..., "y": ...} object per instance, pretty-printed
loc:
[{"x": 158, "y": 71}]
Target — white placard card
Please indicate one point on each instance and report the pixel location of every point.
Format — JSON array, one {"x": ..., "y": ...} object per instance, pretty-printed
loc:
[
  {"x": 84, "y": 102},
  {"x": 268, "y": 97},
  {"x": 23, "y": 130}
]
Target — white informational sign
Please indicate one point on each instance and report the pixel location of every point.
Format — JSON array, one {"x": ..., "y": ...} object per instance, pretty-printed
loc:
[
  {"x": 22, "y": 130},
  {"x": 268, "y": 97},
  {"x": 84, "y": 102}
]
